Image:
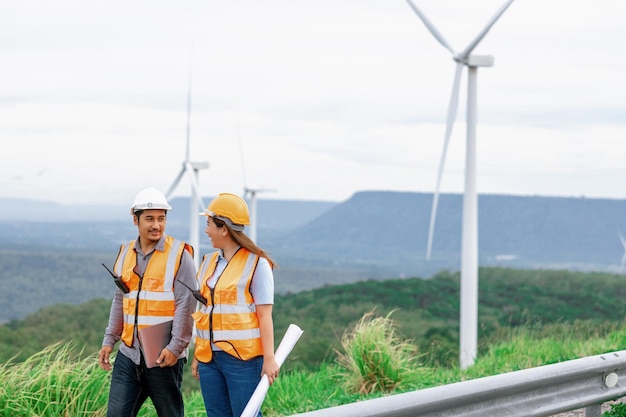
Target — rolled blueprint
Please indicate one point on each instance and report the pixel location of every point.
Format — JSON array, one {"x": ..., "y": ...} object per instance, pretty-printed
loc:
[{"x": 285, "y": 347}]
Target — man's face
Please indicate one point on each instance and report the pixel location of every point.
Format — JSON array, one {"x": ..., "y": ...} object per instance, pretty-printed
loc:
[{"x": 151, "y": 225}]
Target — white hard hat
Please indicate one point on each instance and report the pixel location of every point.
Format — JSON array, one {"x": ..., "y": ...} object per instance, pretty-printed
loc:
[{"x": 149, "y": 199}]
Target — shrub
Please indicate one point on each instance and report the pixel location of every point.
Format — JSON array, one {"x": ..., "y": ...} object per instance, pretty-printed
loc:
[
  {"x": 617, "y": 410},
  {"x": 375, "y": 359}
]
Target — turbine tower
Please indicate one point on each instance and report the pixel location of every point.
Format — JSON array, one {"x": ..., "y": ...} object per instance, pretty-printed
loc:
[
  {"x": 469, "y": 242},
  {"x": 191, "y": 169},
  {"x": 623, "y": 265}
]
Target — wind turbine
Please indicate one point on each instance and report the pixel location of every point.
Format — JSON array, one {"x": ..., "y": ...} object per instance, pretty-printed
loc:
[
  {"x": 191, "y": 169},
  {"x": 249, "y": 194},
  {"x": 621, "y": 238},
  {"x": 469, "y": 243}
]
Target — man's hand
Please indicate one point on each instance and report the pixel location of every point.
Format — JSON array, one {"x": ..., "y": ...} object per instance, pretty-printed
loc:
[
  {"x": 103, "y": 357},
  {"x": 166, "y": 359}
]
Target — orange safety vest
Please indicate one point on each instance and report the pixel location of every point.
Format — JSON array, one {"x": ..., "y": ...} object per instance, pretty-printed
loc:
[
  {"x": 151, "y": 299},
  {"x": 229, "y": 320}
]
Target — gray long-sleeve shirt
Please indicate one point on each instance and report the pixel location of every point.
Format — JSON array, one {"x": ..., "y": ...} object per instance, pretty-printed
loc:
[{"x": 185, "y": 305}]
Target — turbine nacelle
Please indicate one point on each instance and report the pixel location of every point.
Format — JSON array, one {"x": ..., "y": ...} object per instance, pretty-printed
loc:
[
  {"x": 479, "y": 61},
  {"x": 474, "y": 60},
  {"x": 199, "y": 165}
]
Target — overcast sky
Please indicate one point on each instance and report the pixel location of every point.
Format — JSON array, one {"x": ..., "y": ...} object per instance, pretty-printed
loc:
[{"x": 313, "y": 100}]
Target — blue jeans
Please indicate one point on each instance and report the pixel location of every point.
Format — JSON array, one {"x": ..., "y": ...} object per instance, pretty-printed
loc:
[
  {"x": 132, "y": 384},
  {"x": 227, "y": 383}
]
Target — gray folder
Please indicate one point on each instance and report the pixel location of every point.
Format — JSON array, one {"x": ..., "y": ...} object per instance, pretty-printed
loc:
[{"x": 153, "y": 340}]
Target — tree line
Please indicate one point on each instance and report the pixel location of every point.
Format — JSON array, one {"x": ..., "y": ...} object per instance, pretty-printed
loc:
[{"x": 425, "y": 310}]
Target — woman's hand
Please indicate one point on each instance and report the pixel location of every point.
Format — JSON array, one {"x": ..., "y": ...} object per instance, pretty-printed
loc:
[
  {"x": 194, "y": 368},
  {"x": 270, "y": 368}
]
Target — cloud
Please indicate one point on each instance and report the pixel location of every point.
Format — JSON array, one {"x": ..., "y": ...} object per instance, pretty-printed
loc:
[{"x": 317, "y": 99}]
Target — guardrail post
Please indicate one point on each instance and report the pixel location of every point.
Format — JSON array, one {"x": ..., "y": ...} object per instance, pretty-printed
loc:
[{"x": 593, "y": 411}]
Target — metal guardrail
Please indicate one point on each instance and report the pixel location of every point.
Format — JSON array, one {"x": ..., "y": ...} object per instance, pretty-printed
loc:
[{"x": 536, "y": 392}]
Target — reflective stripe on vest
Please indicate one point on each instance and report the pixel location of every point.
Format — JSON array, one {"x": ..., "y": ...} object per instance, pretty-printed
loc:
[
  {"x": 154, "y": 302},
  {"x": 231, "y": 310}
]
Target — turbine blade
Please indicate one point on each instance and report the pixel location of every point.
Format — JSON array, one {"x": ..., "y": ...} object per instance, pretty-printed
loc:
[
  {"x": 623, "y": 264},
  {"x": 194, "y": 185},
  {"x": 486, "y": 29},
  {"x": 175, "y": 183},
  {"x": 452, "y": 108},
  {"x": 431, "y": 28},
  {"x": 243, "y": 163}
]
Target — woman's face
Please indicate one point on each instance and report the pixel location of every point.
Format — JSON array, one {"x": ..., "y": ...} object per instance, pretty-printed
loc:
[{"x": 216, "y": 233}]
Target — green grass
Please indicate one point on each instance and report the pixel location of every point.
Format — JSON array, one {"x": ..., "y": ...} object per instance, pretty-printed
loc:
[
  {"x": 372, "y": 362},
  {"x": 53, "y": 382},
  {"x": 523, "y": 347}
]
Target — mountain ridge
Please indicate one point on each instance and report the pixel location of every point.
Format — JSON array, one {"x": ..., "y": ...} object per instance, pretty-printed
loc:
[
  {"x": 375, "y": 230},
  {"x": 516, "y": 231}
]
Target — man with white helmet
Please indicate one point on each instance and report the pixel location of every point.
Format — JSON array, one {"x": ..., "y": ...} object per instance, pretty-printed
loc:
[{"x": 148, "y": 271}]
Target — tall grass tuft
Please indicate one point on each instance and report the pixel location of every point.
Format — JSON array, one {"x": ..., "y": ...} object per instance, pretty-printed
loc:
[
  {"x": 53, "y": 382},
  {"x": 58, "y": 382},
  {"x": 374, "y": 358}
]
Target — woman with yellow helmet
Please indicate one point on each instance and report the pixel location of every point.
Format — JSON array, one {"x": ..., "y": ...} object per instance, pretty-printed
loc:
[{"x": 235, "y": 330}]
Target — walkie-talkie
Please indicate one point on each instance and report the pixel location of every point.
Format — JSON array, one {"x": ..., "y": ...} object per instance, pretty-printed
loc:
[
  {"x": 196, "y": 294},
  {"x": 120, "y": 284}
]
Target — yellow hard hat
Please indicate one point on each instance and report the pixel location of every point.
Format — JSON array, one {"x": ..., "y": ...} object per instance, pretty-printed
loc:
[{"x": 231, "y": 209}]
